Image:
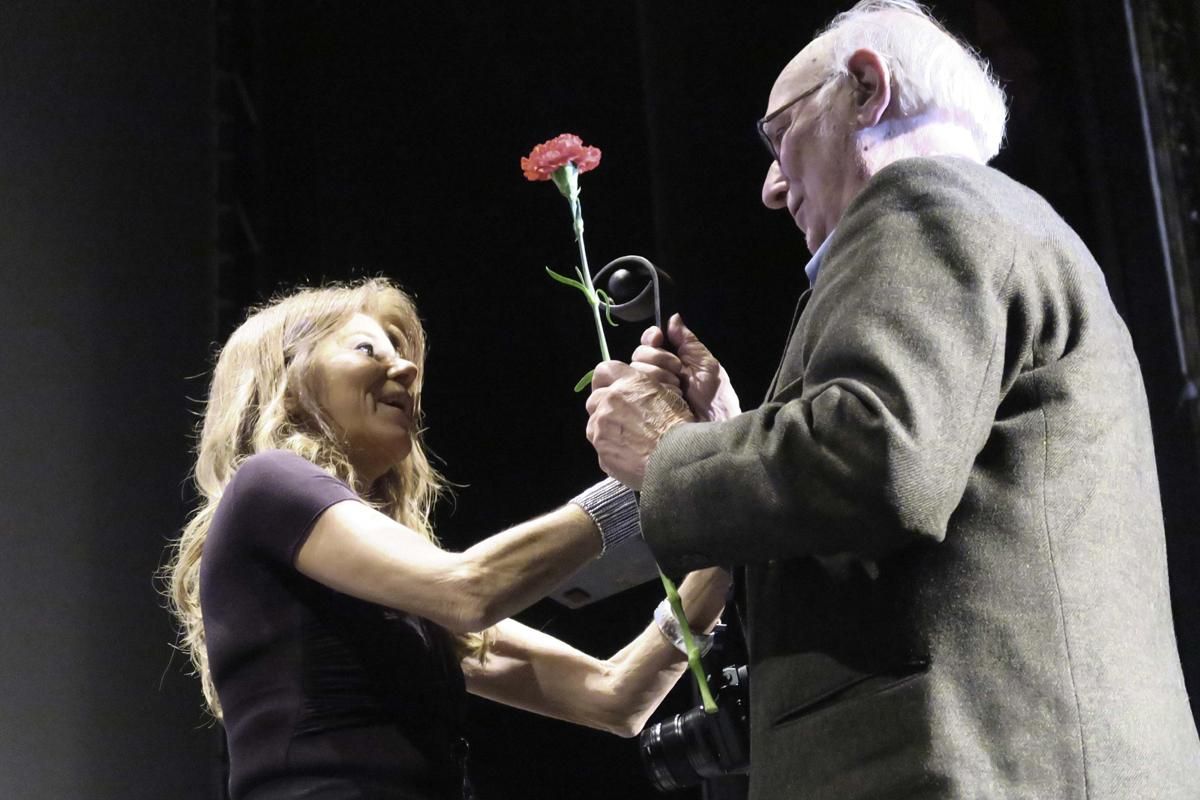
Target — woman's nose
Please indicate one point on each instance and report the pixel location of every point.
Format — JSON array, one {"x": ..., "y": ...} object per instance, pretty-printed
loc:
[{"x": 402, "y": 371}]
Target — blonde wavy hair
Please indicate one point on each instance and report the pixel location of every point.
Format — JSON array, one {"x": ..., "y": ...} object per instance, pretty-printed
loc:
[{"x": 263, "y": 398}]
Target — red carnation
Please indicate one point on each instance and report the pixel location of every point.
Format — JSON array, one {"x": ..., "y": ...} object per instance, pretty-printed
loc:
[
  {"x": 551, "y": 161},
  {"x": 548, "y": 157}
]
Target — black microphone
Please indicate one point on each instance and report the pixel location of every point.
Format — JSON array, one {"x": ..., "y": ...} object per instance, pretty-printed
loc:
[{"x": 639, "y": 291}]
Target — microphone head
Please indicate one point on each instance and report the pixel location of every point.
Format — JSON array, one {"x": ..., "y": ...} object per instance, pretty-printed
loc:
[{"x": 633, "y": 290}]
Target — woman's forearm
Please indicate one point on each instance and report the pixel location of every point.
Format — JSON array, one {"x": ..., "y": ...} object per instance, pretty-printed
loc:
[
  {"x": 534, "y": 671},
  {"x": 510, "y": 571},
  {"x": 639, "y": 683},
  {"x": 358, "y": 551}
]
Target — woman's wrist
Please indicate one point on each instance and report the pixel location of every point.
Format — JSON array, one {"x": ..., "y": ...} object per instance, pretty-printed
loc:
[
  {"x": 613, "y": 509},
  {"x": 668, "y": 626},
  {"x": 703, "y": 594}
]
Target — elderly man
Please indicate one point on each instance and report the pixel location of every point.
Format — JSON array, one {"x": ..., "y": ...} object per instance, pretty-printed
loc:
[{"x": 945, "y": 515}]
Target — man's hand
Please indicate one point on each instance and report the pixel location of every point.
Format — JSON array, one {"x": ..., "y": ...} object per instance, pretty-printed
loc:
[
  {"x": 703, "y": 380},
  {"x": 628, "y": 413}
]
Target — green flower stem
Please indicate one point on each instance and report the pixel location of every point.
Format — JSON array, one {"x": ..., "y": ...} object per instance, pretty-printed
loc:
[
  {"x": 693, "y": 653},
  {"x": 566, "y": 178},
  {"x": 571, "y": 180}
]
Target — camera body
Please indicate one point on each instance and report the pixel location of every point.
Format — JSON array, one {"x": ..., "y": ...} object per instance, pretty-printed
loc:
[{"x": 694, "y": 746}]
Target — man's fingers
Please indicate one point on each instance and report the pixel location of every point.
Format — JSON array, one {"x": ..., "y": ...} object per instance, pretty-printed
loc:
[
  {"x": 590, "y": 430},
  {"x": 652, "y": 337},
  {"x": 664, "y": 360},
  {"x": 627, "y": 417},
  {"x": 657, "y": 374},
  {"x": 608, "y": 372},
  {"x": 695, "y": 357},
  {"x": 591, "y": 404},
  {"x": 677, "y": 332}
]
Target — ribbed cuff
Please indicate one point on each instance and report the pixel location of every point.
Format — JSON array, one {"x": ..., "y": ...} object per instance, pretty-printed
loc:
[{"x": 613, "y": 508}]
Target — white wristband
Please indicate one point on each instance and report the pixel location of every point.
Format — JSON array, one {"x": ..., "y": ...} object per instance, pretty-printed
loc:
[{"x": 664, "y": 618}]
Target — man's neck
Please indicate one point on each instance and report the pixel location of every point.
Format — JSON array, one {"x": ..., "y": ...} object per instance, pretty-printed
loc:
[{"x": 913, "y": 137}]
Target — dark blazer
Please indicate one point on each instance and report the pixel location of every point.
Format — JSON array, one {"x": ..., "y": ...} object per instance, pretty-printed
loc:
[{"x": 948, "y": 513}]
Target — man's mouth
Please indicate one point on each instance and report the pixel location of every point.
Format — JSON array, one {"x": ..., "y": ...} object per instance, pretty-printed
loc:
[{"x": 795, "y": 212}]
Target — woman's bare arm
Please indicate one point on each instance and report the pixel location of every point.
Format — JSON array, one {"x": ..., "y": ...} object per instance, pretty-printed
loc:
[
  {"x": 534, "y": 671},
  {"x": 361, "y": 552}
]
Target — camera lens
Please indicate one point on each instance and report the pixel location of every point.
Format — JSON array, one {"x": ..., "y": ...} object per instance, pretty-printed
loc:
[
  {"x": 695, "y": 746},
  {"x": 681, "y": 751}
]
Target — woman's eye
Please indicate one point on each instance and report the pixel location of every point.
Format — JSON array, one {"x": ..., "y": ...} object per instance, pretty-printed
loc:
[{"x": 367, "y": 348}]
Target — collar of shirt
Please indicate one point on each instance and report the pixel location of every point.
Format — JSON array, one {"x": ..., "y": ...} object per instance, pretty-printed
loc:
[{"x": 814, "y": 264}]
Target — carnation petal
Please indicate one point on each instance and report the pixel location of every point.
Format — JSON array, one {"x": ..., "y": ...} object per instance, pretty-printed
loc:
[{"x": 554, "y": 153}]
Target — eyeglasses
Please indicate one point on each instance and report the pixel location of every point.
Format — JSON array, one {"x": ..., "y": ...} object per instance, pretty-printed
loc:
[{"x": 762, "y": 123}]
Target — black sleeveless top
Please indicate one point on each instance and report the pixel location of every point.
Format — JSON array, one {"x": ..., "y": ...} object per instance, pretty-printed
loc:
[{"x": 325, "y": 696}]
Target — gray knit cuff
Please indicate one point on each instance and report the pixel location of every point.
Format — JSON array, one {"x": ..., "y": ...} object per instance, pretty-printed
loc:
[{"x": 613, "y": 508}]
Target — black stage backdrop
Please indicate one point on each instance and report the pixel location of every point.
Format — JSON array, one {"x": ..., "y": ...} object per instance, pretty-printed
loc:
[
  {"x": 164, "y": 170},
  {"x": 106, "y": 307}
]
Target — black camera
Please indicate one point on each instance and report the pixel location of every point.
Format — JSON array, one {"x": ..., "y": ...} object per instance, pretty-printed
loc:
[{"x": 694, "y": 746}]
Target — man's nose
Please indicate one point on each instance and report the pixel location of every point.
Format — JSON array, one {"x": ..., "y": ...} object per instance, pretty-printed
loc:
[{"x": 774, "y": 189}]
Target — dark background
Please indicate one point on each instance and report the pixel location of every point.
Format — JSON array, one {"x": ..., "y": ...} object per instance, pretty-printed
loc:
[{"x": 164, "y": 165}]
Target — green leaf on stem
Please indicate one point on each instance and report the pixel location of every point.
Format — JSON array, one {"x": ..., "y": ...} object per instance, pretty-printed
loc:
[
  {"x": 584, "y": 381},
  {"x": 608, "y": 304},
  {"x": 565, "y": 280}
]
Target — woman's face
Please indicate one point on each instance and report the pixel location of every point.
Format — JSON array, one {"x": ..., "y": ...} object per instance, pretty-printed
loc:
[{"x": 365, "y": 387}]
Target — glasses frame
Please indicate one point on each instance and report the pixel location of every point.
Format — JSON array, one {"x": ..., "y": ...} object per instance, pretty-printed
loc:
[{"x": 761, "y": 125}]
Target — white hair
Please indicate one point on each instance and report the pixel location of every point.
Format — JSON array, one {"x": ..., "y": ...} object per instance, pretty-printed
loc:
[{"x": 933, "y": 72}]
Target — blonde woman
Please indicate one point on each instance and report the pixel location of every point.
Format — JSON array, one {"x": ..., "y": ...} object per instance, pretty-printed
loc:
[{"x": 333, "y": 637}]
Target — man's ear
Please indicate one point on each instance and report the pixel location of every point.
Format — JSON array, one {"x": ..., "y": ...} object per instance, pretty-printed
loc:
[{"x": 872, "y": 87}]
